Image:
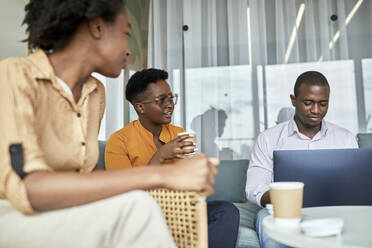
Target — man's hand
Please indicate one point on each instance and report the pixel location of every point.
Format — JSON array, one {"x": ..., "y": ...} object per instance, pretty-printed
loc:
[
  {"x": 265, "y": 199},
  {"x": 196, "y": 173}
]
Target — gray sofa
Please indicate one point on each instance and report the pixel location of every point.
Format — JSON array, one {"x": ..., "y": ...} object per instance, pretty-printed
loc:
[
  {"x": 229, "y": 186},
  {"x": 364, "y": 139}
]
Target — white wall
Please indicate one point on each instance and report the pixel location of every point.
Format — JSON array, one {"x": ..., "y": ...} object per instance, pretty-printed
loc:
[{"x": 11, "y": 32}]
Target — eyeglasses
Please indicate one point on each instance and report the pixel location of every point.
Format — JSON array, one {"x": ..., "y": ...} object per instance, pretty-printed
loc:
[{"x": 164, "y": 100}]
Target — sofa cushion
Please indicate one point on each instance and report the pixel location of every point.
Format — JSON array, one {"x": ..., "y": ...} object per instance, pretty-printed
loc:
[
  {"x": 248, "y": 212},
  {"x": 364, "y": 139},
  {"x": 230, "y": 181},
  {"x": 247, "y": 236}
]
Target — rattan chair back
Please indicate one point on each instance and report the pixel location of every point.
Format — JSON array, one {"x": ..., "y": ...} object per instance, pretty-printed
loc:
[{"x": 186, "y": 215}]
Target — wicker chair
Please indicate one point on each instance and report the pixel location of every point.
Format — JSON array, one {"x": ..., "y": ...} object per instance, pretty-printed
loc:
[
  {"x": 186, "y": 216},
  {"x": 184, "y": 211}
]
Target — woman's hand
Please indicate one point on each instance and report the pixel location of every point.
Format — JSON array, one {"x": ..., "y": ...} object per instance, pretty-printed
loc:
[
  {"x": 174, "y": 149},
  {"x": 196, "y": 173}
]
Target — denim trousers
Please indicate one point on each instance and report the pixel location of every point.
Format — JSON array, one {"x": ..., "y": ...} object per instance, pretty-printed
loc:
[{"x": 265, "y": 240}]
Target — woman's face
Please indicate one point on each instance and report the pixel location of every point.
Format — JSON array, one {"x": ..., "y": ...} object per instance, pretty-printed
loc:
[
  {"x": 158, "y": 109},
  {"x": 113, "y": 48}
]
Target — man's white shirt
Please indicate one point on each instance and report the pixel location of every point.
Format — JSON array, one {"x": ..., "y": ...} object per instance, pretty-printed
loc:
[{"x": 286, "y": 136}]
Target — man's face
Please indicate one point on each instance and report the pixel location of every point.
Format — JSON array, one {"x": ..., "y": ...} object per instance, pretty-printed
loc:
[{"x": 311, "y": 104}]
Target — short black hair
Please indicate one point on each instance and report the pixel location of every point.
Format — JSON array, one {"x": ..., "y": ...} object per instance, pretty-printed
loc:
[
  {"x": 311, "y": 78},
  {"x": 51, "y": 23},
  {"x": 138, "y": 83}
]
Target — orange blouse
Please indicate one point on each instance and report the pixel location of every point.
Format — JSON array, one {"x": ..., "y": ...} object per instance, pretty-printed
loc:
[{"x": 134, "y": 146}]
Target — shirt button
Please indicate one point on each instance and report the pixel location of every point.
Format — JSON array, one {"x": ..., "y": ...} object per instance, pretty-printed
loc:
[
  {"x": 78, "y": 115},
  {"x": 83, "y": 143}
]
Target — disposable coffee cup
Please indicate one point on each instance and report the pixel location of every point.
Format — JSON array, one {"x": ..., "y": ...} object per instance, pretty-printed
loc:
[
  {"x": 191, "y": 138},
  {"x": 286, "y": 198}
]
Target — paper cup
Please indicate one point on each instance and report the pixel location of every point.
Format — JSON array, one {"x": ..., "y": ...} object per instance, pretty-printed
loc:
[
  {"x": 286, "y": 198},
  {"x": 191, "y": 138}
]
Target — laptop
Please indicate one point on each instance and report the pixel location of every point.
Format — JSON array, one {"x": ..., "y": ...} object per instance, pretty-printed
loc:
[{"x": 332, "y": 177}]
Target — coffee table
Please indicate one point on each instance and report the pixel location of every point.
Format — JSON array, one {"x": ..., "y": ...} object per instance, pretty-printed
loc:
[{"x": 357, "y": 231}]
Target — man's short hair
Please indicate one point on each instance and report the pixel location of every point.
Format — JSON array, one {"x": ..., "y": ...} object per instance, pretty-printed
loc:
[
  {"x": 140, "y": 80},
  {"x": 311, "y": 78}
]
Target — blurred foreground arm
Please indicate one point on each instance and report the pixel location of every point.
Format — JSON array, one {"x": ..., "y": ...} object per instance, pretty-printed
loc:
[{"x": 54, "y": 190}]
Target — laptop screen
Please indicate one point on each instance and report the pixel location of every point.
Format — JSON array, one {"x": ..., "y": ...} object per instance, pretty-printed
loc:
[{"x": 332, "y": 177}]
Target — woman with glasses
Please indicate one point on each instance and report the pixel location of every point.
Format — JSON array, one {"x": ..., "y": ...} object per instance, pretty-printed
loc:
[{"x": 152, "y": 140}]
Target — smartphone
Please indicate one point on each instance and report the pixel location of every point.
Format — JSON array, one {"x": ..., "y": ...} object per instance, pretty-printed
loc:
[{"x": 16, "y": 159}]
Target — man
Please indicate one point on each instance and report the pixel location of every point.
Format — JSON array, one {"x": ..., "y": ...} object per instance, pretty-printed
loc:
[{"x": 307, "y": 130}]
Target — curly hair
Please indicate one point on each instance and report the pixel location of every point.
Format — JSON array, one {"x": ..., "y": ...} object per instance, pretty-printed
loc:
[
  {"x": 52, "y": 23},
  {"x": 311, "y": 78},
  {"x": 140, "y": 80}
]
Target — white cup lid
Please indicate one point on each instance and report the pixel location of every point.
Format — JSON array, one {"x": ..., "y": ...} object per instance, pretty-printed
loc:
[
  {"x": 286, "y": 185},
  {"x": 187, "y": 132}
]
